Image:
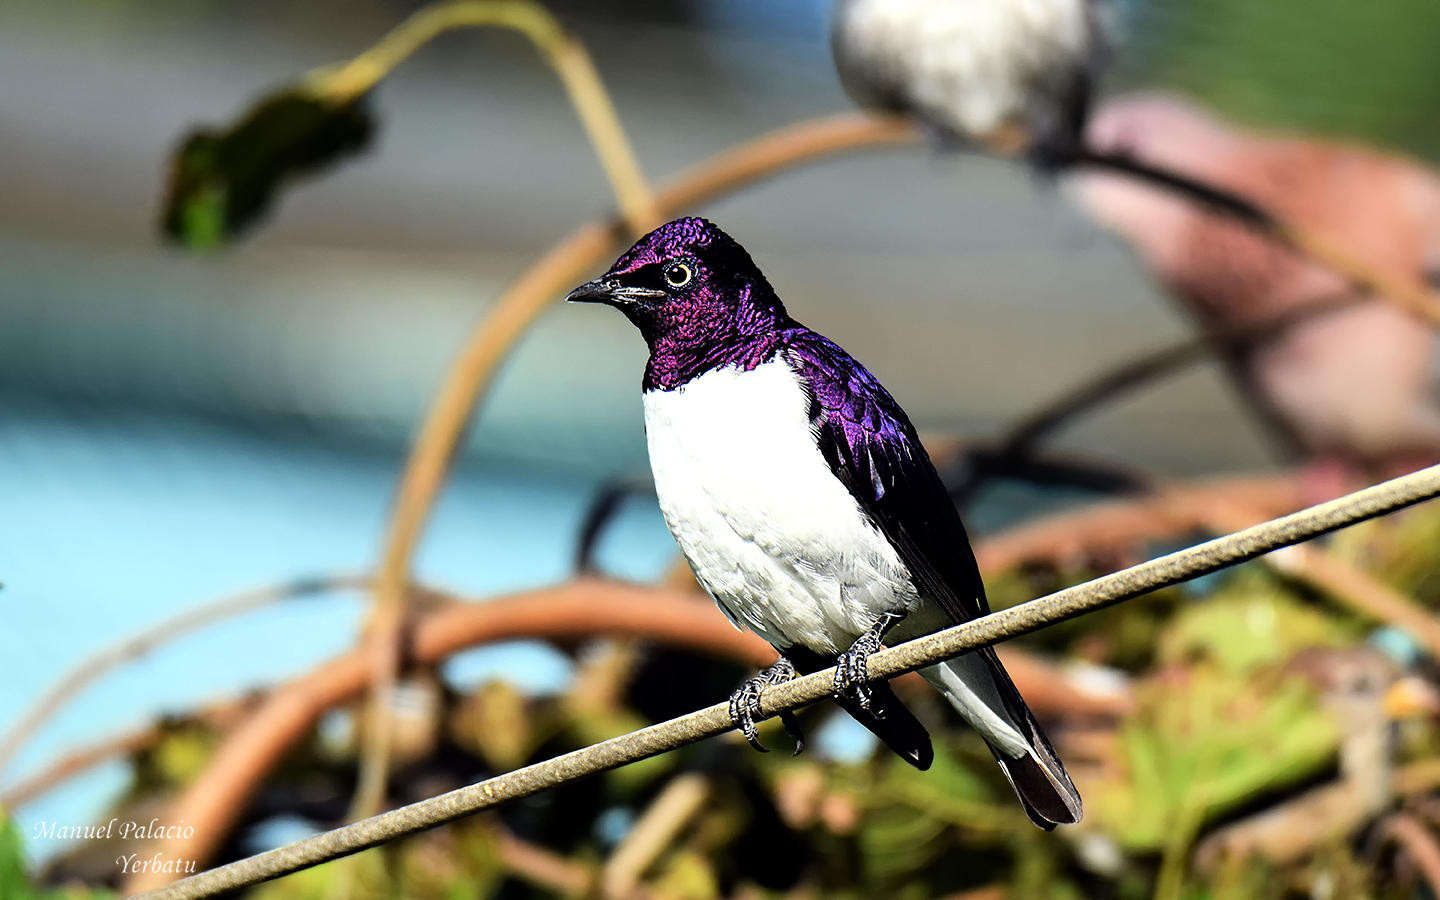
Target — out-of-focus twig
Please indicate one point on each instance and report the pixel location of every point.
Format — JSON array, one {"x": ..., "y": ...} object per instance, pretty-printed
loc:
[
  {"x": 670, "y": 812},
  {"x": 568, "y": 57},
  {"x": 471, "y": 375},
  {"x": 543, "y": 868},
  {"x": 74, "y": 763},
  {"x": 98, "y": 664},
  {"x": 1339, "y": 580},
  {"x": 562, "y": 50},
  {"x": 1023, "y": 439},
  {"x": 1171, "y": 569},
  {"x": 1418, "y": 843},
  {"x": 1121, "y": 528},
  {"x": 582, "y": 609},
  {"x": 579, "y": 610}
]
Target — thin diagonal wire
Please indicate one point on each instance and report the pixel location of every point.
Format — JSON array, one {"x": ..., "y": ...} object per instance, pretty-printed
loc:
[{"x": 647, "y": 742}]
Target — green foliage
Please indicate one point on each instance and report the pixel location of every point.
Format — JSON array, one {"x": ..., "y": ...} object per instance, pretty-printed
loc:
[
  {"x": 1367, "y": 71},
  {"x": 15, "y": 883},
  {"x": 222, "y": 182}
]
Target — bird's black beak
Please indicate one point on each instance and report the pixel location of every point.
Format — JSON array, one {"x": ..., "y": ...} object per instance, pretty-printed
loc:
[
  {"x": 599, "y": 291},
  {"x": 605, "y": 290}
]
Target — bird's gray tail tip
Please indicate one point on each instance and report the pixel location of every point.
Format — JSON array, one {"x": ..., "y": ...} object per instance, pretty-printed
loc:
[{"x": 1041, "y": 783}]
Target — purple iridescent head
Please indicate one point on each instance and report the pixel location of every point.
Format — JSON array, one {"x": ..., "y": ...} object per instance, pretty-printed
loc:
[{"x": 688, "y": 286}]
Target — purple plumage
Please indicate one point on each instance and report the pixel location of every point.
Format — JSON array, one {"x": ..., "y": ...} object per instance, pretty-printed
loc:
[{"x": 803, "y": 499}]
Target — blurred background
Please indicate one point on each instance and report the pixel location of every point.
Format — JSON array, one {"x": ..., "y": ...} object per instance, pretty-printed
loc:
[{"x": 177, "y": 427}]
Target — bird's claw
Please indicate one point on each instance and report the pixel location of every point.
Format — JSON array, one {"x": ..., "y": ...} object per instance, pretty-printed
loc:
[
  {"x": 745, "y": 705},
  {"x": 852, "y": 671}
]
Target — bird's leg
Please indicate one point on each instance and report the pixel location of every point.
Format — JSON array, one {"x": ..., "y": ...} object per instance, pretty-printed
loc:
[
  {"x": 745, "y": 705},
  {"x": 851, "y": 669}
]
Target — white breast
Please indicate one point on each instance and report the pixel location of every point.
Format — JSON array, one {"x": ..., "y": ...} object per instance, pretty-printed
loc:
[{"x": 774, "y": 537}]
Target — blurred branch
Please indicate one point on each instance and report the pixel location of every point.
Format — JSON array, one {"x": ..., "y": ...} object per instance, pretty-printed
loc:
[
  {"x": 1121, "y": 529},
  {"x": 543, "y": 868},
  {"x": 106, "y": 660},
  {"x": 1167, "y": 570},
  {"x": 1418, "y": 843},
  {"x": 471, "y": 375},
  {"x": 673, "y": 809},
  {"x": 1341, "y": 581},
  {"x": 1023, "y": 440},
  {"x": 1414, "y": 298},
  {"x": 560, "y": 49},
  {"x": 575, "y": 611},
  {"x": 568, "y": 57},
  {"x": 74, "y": 763}
]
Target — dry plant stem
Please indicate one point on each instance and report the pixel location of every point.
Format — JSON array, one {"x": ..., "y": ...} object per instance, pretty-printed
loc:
[
  {"x": 568, "y": 57},
  {"x": 1120, "y": 528},
  {"x": 1361, "y": 592},
  {"x": 543, "y": 868},
  {"x": 1418, "y": 842},
  {"x": 669, "y": 814},
  {"x": 109, "y": 658},
  {"x": 1335, "y": 578},
  {"x": 472, "y": 374},
  {"x": 576, "y": 611},
  {"x": 564, "y": 53},
  {"x": 1025, "y": 437},
  {"x": 1045, "y": 687},
  {"x": 1167, "y": 570},
  {"x": 74, "y": 763}
]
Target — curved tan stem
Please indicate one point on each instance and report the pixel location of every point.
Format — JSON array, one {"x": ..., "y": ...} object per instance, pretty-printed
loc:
[
  {"x": 471, "y": 376},
  {"x": 1335, "y": 578},
  {"x": 110, "y": 658},
  {"x": 560, "y": 49},
  {"x": 581, "y": 609},
  {"x": 1416, "y": 840},
  {"x": 674, "y": 808}
]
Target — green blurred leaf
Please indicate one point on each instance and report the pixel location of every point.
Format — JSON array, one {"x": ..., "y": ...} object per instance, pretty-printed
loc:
[
  {"x": 15, "y": 883},
  {"x": 1335, "y": 67},
  {"x": 1213, "y": 733},
  {"x": 223, "y": 182},
  {"x": 1252, "y": 621}
]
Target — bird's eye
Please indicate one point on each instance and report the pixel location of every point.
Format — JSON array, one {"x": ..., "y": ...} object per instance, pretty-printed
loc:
[{"x": 678, "y": 274}]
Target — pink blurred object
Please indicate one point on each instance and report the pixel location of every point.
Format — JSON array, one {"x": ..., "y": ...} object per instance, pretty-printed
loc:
[{"x": 1353, "y": 391}]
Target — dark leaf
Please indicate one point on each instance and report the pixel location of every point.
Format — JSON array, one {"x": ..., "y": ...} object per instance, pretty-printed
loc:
[{"x": 222, "y": 182}]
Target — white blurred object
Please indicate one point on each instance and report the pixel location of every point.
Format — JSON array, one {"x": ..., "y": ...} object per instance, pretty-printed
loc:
[{"x": 1012, "y": 74}]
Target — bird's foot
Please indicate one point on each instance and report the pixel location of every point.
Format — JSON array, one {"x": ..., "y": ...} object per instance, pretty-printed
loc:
[
  {"x": 745, "y": 705},
  {"x": 852, "y": 667}
]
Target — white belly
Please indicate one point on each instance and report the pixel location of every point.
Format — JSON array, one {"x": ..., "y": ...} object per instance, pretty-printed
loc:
[{"x": 773, "y": 536}]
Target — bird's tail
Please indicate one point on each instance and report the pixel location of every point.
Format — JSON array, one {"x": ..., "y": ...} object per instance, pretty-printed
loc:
[
  {"x": 887, "y": 718},
  {"x": 980, "y": 690}
]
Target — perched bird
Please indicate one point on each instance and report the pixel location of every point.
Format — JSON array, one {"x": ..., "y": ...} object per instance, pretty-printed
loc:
[
  {"x": 801, "y": 496},
  {"x": 1015, "y": 75},
  {"x": 1350, "y": 390}
]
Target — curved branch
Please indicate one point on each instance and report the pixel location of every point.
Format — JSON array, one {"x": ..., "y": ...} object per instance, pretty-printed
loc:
[
  {"x": 73, "y": 764},
  {"x": 579, "y": 610},
  {"x": 1418, "y": 842},
  {"x": 110, "y": 658},
  {"x": 565, "y": 54},
  {"x": 1167, "y": 570},
  {"x": 1120, "y": 529}
]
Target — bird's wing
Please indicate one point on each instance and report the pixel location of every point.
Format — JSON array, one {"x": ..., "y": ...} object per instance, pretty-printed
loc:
[{"x": 875, "y": 452}]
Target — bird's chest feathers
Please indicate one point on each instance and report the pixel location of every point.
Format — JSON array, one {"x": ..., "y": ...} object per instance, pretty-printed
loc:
[{"x": 771, "y": 532}]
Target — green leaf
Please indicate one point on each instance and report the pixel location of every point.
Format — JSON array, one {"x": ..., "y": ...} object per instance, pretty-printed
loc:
[{"x": 223, "y": 182}]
